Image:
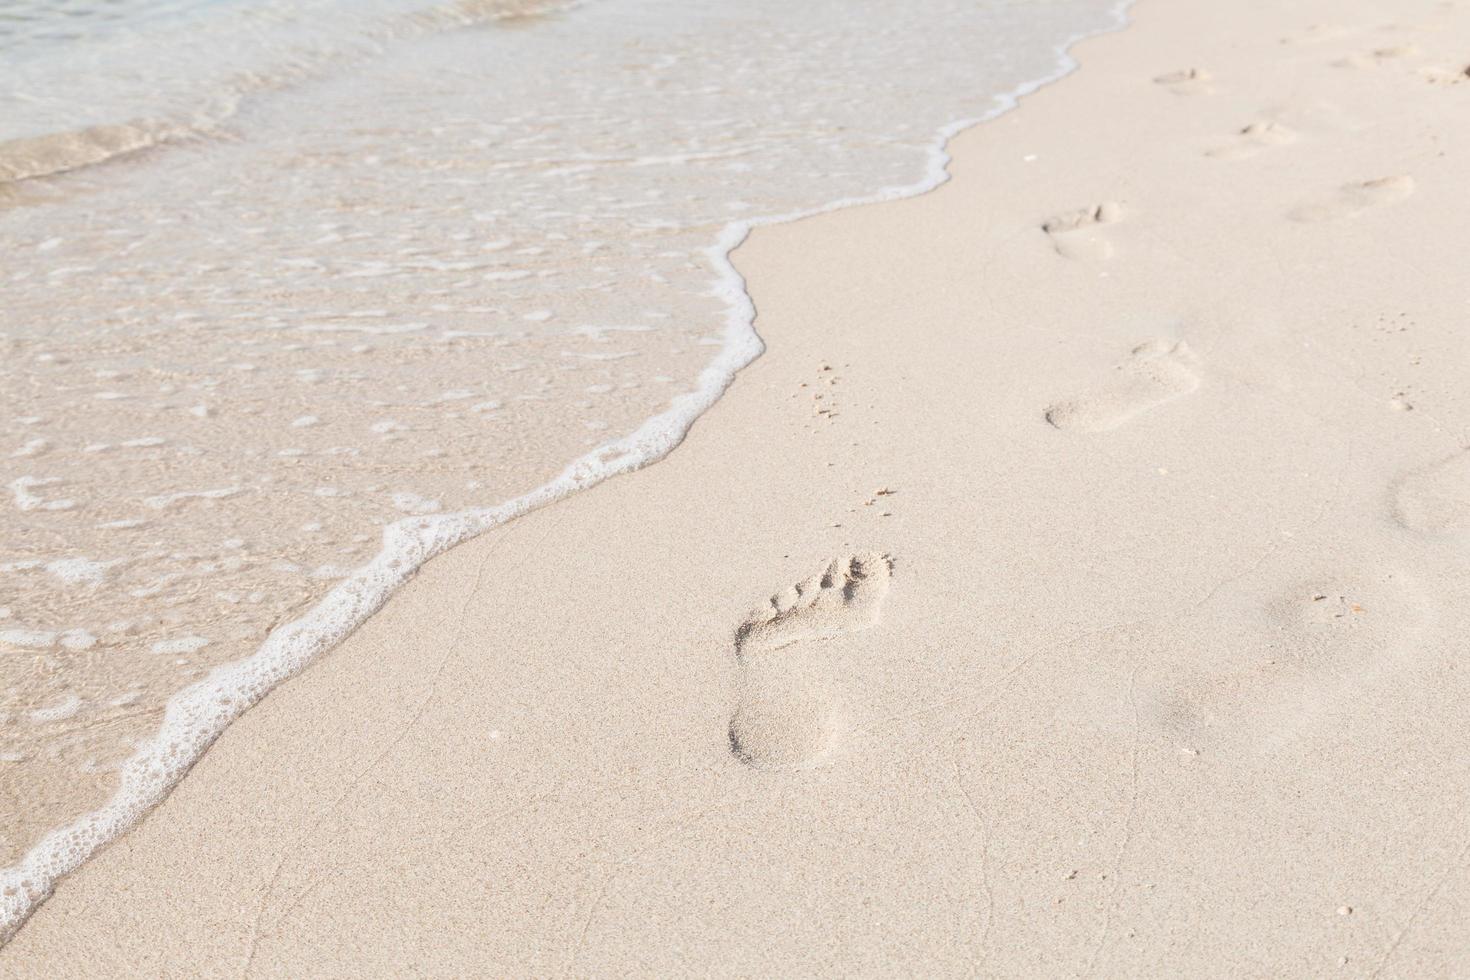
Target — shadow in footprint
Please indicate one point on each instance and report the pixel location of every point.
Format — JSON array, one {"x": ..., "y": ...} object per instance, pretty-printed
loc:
[
  {"x": 1442, "y": 75},
  {"x": 787, "y": 717},
  {"x": 1260, "y": 135},
  {"x": 1186, "y": 81},
  {"x": 1377, "y": 58}
]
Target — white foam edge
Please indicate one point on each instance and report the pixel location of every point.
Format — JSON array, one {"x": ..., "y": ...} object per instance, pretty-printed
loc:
[{"x": 197, "y": 715}]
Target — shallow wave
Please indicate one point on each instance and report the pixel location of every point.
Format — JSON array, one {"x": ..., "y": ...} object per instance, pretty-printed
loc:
[
  {"x": 58, "y": 153},
  {"x": 60, "y": 103}
]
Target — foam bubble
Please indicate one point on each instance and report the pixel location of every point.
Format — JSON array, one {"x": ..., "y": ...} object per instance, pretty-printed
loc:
[
  {"x": 60, "y": 711},
  {"x": 28, "y": 639},
  {"x": 78, "y": 640},
  {"x": 78, "y": 571},
  {"x": 183, "y": 644},
  {"x": 170, "y": 499},
  {"x": 412, "y": 503}
]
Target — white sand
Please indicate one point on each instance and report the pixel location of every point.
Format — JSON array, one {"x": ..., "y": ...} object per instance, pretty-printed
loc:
[{"x": 1125, "y": 481}]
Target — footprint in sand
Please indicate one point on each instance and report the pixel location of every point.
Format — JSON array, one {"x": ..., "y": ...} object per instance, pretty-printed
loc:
[
  {"x": 1353, "y": 199},
  {"x": 1075, "y": 234},
  {"x": 1319, "y": 34},
  {"x": 1436, "y": 500},
  {"x": 1303, "y": 654},
  {"x": 1157, "y": 372},
  {"x": 1440, "y": 75},
  {"x": 1378, "y": 57},
  {"x": 1258, "y": 136},
  {"x": 1186, "y": 81},
  {"x": 1334, "y": 636},
  {"x": 787, "y": 716}
]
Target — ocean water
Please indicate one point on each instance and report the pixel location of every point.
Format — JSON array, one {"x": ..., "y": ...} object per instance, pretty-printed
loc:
[{"x": 298, "y": 295}]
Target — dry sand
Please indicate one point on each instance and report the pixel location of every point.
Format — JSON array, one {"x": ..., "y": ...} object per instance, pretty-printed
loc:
[{"x": 1124, "y": 479}]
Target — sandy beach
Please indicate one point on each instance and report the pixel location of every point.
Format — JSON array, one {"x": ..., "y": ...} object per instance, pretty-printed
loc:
[{"x": 1076, "y": 586}]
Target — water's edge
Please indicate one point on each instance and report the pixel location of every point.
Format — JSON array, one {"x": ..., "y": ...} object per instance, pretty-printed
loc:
[{"x": 198, "y": 714}]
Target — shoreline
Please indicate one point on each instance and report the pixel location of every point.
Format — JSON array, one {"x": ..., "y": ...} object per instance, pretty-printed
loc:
[
  {"x": 198, "y": 714},
  {"x": 1162, "y": 677}
]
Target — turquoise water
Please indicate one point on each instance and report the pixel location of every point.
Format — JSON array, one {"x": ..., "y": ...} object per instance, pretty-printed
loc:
[
  {"x": 35, "y": 26},
  {"x": 73, "y": 64}
]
